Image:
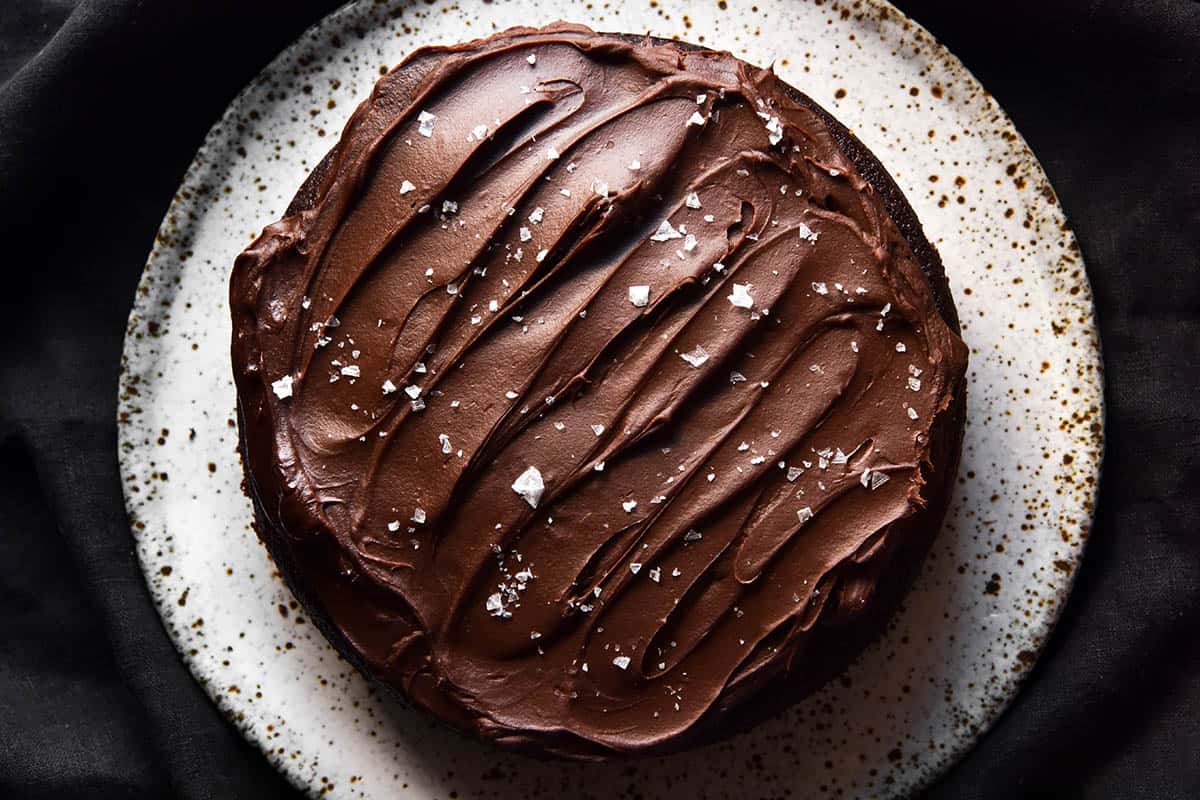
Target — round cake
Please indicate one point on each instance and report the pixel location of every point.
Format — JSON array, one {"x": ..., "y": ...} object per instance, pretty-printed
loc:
[{"x": 599, "y": 395}]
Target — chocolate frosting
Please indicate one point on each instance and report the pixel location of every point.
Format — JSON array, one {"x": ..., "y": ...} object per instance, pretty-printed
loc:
[{"x": 587, "y": 378}]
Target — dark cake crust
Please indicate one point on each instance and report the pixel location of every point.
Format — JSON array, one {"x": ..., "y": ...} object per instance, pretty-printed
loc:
[{"x": 866, "y": 593}]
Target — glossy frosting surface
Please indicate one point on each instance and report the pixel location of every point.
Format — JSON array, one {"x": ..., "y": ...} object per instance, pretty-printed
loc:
[{"x": 588, "y": 380}]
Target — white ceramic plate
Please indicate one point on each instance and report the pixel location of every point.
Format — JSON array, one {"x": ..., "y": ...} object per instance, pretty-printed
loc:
[{"x": 988, "y": 596}]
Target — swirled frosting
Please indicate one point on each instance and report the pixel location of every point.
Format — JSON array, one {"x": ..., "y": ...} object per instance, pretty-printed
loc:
[{"x": 584, "y": 381}]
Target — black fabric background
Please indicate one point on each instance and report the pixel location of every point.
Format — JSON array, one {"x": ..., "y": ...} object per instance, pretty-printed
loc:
[{"x": 103, "y": 107}]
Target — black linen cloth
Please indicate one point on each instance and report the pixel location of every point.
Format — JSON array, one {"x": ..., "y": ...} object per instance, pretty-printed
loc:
[{"x": 104, "y": 105}]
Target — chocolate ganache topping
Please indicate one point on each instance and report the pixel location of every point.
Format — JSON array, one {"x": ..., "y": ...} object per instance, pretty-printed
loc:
[{"x": 586, "y": 381}]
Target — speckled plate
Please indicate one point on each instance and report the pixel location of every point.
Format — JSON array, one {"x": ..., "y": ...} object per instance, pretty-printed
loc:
[{"x": 990, "y": 591}]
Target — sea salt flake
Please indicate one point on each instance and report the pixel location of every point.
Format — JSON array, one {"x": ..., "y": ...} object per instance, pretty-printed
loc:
[
  {"x": 700, "y": 98},
  {"x": 740, "y": 297},
  {"x": 351, "y": 371},
  {"x": 692, "y": 200},
  {"x": 600, "y": 187},
  {"x": 621, "y": 662},
  {"x": 480, "y": 132},
  {"x": 511, "y": 395},
  {"x": 532, "y": 59},
  {"x": 774, "y": 130},
  {"x": 639, "y": 296},
  {"x": 912, "y": 413},
  {"x": 696, "y": 119},
  {"x": 873, "y": 479},
  {"x": 394, "y": 525},
  {"x": 449, "y": 207},
  {"x": 718, "y": 266},
  {"x": 529, "y": 486},
  {"x": 655, "y": 575},
  {"x": 425, "y": 122},
  {"x": 689, "y": 244},
  {"x": 804, "y": 514},
  {"x": 282, "y": 387},
  {"x": 635, "y": 165},
  {"x": 525, "y": 234},
  {"x": 418, "y": 515},
  {"x": 406, "y": 187},
  {"x": 696, "y": 357},
  {"x": 900, "y": 348},
  {"x": 914, "y": 383},
  {"x": 598, "y": 429},
  {"x": 736, "y": 377},
  {"x": 445, "y": 440},
  {"x": 820, "y": 288},
  {"x": 793, "y": 473},
  {"x": 552, "y": 154},
  {"x": 413, "y": 391},
  {"x": 635, "y": 567},
  {"x": 541, "y": 256},
  {"x": 693, "y": 536},
  {"x": 388, "y": 387},
  {"x": 666, "y": 231},
  {"x": 807, "y": 233},
  {"x": 629, "y": 506},
  {"x": 537, "y": 215}
]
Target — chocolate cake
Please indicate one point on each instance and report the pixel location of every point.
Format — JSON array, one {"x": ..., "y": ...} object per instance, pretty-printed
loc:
[{"x": 598, "y": 394}]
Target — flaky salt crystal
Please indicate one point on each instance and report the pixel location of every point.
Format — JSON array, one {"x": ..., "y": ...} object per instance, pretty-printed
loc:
[
  {"x": 696, "y": 357},
  {"x": 425, "y": 122},
  {"x": 740, "y": 297},
  {"x": 666, "y": 231},
  {"x": 529, "y": 486},
  {"x": 282, "y": 387}
]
